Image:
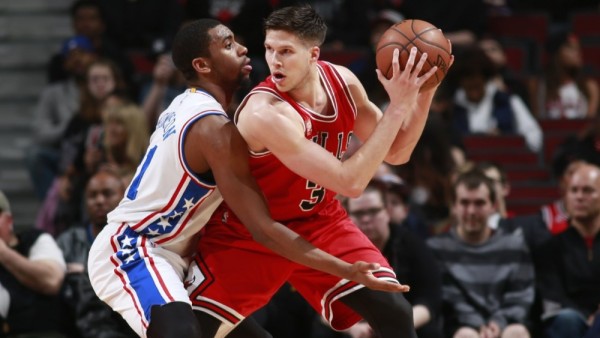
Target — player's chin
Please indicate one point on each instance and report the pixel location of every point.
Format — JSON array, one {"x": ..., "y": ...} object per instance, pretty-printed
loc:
[
  {"x": 281, "y": 86},
  {"x": 245, "y": 79}
]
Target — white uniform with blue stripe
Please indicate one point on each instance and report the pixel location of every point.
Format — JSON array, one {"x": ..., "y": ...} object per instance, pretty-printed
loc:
[{"x": 143, "y": 250}]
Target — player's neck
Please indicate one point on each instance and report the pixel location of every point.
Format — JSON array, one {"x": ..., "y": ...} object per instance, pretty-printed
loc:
[{"x": 311, "y": 93}]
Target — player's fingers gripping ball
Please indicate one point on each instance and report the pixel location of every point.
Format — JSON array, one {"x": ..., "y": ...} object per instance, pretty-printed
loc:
[{"x": 415, "y": 33}]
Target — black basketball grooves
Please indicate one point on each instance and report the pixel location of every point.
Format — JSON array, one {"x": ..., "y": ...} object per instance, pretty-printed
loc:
[{"x": 440, "y": 63}]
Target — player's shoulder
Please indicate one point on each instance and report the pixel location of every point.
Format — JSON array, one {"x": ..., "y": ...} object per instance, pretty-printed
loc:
[
  {"x": 337, "y": 67},
  {"x": 346, "y": 74},
  {"x": 344, "y": 71},
  {"x": 208, "y": 124},
  {"x": 263, "y": 110},
  {"x": 197, "y": 102},
  {"x": 263, "y": 103}
]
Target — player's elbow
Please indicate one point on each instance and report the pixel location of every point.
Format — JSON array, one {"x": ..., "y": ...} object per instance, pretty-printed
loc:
[
  {"x": 399, "y": 157},
  {"x": 354, "y": 190},
  {"x": 399, "y": 160}
]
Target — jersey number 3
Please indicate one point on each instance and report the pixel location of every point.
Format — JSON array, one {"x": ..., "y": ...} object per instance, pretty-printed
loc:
[{"x": 316, "y": 196}]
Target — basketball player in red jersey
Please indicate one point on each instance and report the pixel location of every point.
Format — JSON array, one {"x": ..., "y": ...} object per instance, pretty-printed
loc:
[
  {"x": 297, "y": 125},
  {"x": 196, "y": 158}
]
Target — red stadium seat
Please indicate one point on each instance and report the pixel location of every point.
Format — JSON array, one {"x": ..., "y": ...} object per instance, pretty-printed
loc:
[
  {"x": 591, "y": 55},
  {"x": 532, "y": 25},
  {"x": 586, "y": 24}
]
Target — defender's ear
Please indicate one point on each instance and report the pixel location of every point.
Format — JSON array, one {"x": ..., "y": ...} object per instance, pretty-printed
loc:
[{"x": 201, "y": 65}]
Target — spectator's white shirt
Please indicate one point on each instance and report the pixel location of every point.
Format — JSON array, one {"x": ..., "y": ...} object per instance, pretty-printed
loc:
[
  {"x": 481, "y": 119},
  {"x": 45, "y": 248}
]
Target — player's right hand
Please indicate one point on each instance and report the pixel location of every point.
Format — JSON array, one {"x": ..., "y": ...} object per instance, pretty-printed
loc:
[
  {"x": 404, "y": 85},
  {"x": 361, "y": 272}
]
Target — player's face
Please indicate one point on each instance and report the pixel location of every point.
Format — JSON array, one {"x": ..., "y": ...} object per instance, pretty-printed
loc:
[
  {"x": 583, "y": 193},
  {"x": 102, "y": 195},
  {"x": 472, "y": 209},
  {"x": 289, "y": 58},
  {"x": 229, "y": 61},
  {"x": 369, "y": 213}
]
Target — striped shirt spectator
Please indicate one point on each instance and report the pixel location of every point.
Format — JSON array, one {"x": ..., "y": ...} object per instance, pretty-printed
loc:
[{"x": 488, "y": 275}]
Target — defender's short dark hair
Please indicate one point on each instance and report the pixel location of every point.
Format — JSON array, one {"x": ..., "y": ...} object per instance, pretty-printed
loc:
[
  {"x": 301, "y": 20},
  {"x": 192, "y": 41}
]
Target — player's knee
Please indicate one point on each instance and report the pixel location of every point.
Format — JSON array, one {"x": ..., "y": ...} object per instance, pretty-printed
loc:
[
  {"x": 173, "y": 320},
  {"x": 383, "y": 307},
  {"x": 400, "y": 306}
]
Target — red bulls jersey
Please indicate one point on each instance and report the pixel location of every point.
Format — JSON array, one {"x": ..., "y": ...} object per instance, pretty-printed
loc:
[{"x": 289, "y": 195}]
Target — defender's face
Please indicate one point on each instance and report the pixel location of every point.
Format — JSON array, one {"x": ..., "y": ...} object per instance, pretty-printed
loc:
[
  {"x": 289, "y": 58},
  {"x": 229, "y": 61}
]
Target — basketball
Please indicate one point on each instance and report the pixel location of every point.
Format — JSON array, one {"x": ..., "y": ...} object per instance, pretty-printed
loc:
[{"x": 414, "y": 33}]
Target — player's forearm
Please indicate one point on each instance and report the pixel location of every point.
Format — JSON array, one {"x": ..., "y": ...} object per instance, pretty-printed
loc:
[
  {"x": 359, "y": 169},
  {"x": 292, "y": 246},
  {"x": 245, "y": 200},
  {"x": 407, "y": 138}
]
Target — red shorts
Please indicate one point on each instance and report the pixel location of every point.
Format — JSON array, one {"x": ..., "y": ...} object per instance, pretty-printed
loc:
[{"x": 233, "y": 275}]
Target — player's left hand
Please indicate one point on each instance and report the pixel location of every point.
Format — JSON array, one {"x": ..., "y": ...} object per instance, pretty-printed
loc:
[{"x": 361, "y": 272}]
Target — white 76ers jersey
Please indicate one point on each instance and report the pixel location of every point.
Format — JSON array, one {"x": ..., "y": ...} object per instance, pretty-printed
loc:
[{"x": 167, "y": 202}]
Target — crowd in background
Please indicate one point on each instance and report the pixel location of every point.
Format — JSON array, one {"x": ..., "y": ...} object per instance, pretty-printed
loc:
[{"x": 476, "y": 268}]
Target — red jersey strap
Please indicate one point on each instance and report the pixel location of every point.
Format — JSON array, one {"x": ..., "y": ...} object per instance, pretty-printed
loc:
[
  {"x": 335, "y": 91},
  {"x": 330, "y": 73},
  {"x": 268, "y": 87}
]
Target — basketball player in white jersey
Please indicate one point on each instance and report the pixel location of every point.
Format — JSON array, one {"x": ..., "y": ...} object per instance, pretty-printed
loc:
[{"x": 138, "y": 262}]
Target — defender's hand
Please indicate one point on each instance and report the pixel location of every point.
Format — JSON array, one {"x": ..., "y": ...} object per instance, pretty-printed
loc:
[{"x": 361, "y": 272}]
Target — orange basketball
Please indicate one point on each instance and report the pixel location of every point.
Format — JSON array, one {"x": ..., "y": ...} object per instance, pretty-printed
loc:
[{"x": 418, "y": 33}]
